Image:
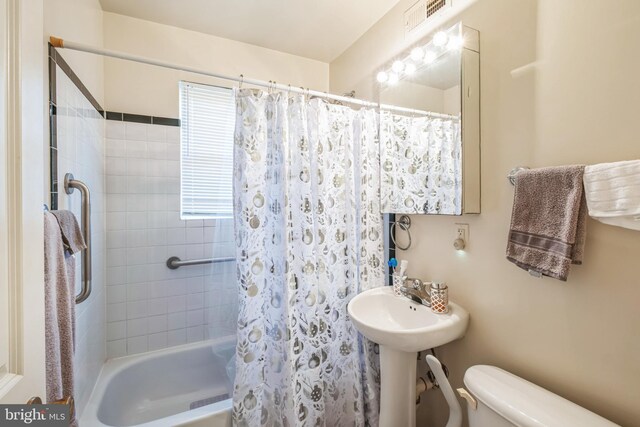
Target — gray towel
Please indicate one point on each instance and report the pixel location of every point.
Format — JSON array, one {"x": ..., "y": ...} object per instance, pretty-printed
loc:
[
  {"x": 71, "y": 234},
  {"x": 548, "y": 221},
  {"x": 59, "y": 277}
]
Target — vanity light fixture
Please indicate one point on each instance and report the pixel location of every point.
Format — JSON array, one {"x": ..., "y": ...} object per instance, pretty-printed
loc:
[
  {"x": 455, "y": 43},
  {"x": 398, "y": 66},
  {"x": 382, "y": 77},
  {"x": 429, "y": 57},
  {"x": 440, "y": 39},
  {"x": 417, "y": 54},
  {"x": 440, "y": 43}
]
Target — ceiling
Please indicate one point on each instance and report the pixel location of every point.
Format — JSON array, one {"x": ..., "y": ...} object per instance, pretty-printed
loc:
[{"x": 317, "y": 29}]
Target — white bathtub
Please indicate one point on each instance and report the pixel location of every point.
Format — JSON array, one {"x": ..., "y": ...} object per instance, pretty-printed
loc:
[{"x": 188, "y": 385}]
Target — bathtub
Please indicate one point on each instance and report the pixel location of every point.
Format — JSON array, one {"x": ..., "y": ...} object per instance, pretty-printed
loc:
[{"x": 188, "y": 385}]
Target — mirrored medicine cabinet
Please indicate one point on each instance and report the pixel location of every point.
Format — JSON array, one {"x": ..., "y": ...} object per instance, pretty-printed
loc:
[{"x": 430, "y": 139}]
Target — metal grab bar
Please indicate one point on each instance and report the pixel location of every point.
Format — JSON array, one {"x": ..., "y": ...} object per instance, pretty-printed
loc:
[
  {"x": 175, "y": 262},
  {"x": 69, "y": 185}
]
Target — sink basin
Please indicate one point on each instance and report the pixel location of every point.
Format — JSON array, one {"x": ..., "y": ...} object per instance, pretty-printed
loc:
[
  {"x": 402, "y": 327},
  {"x": 403, "y": 324}
]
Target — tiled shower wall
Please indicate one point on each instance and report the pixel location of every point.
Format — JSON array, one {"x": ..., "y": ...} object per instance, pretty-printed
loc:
[
  {"x": 150, "y": 306},
  {"x": 79, "y": 144}
]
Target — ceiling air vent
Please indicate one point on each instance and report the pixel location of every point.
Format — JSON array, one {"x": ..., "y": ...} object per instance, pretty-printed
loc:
[{"x": 420, "y": 12}]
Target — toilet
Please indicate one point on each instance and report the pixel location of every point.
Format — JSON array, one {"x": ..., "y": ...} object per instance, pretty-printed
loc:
[{"x": 497, "y": 398}]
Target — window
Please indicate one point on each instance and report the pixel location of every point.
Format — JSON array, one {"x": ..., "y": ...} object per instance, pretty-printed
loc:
[{"x": 207, "y": 118}]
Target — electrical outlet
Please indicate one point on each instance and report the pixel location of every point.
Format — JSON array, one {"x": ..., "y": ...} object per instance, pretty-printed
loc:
[{"x": 462, "y": 232}]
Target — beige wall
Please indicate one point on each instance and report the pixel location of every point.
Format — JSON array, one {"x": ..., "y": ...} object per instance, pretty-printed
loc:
[
  {"x": 559, "y": 86},
  {"x": 79, "y": 21},
  {"x": 144, "y": 89}
]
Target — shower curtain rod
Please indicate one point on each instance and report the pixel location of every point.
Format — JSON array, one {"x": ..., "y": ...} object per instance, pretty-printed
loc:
[{"x": 65, "y": 44}]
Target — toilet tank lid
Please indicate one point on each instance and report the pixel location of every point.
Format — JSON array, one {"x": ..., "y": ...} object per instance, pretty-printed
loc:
[{"x": 524, "y": 403}]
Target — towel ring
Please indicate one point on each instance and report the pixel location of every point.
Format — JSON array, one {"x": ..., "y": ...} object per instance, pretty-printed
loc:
[{"x": 404, "y": 222}]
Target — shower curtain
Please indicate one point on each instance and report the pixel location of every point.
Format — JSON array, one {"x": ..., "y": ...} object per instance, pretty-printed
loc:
[{"x": 309, "y": 238}]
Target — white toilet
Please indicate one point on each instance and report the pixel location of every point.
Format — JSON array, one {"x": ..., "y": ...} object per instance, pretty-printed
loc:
[{"x": 502, "y": 399}]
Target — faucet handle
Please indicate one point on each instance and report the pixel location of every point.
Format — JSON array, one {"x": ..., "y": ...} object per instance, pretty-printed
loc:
[{"x": 415, "y": 284}]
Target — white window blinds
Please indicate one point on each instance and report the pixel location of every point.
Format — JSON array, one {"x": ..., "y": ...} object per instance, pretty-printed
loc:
[{"x": 207, "y": 118}]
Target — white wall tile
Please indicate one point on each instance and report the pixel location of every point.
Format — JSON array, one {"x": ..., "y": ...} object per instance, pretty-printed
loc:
[
  {"x": 136, "y": 309},
  {"x": 137, "y": 345},
  {"x": 156, "y": 219},
  {"x": 116, "y": 221},
  {"x": 116, "y": 275},
  {"x": 116, "y": 202},
  {"x": 137, "y": 291},
  {"x": 116, "y": 239},
  {"x": 136, "y": 149},
  {"x": 136, "y": 131},
  {"x": 116, "y": 312},
  {"x": 136, "y": 166},
  {"x": 195, "y": 301},
  {"x": 114, "y": 129},
  {"x": 195, "y": 317},
  {"x": 194, "y": 235},
  {"x": 116, "y": 165},
  {"x": 195, "y": 333},
  {"x": 116, "y": 348},
  {"x": 158, "y": 202},
  {"x": 176, "y": 236},
  {"x": 136, "y": 220},
  {"x": 136, "y": 238},
  {"x": 159, "y": 307},
  {"x": 116, "y": 257},
  {"x": 157, "y": 341},
  {"x": 156, "y": 133},
  {"x": 158, "y": 323},
  {"x": 177, "y": 320},
  {"x": 176, "y": 337},
  {"x": 137, "y": 327},
  {"x": 116, "y": 330},
  {"x": 116, "y": 148},
  {"x": 116, "y": 294}
]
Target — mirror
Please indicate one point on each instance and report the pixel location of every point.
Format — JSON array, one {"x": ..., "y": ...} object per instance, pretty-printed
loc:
[{"x": 430, "y": 138}]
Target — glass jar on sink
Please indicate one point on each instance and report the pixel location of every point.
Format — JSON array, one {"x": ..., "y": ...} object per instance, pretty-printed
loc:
[{"x": 439, "y": 297}]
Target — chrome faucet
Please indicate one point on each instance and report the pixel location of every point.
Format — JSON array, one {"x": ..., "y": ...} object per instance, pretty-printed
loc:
[{"x": 417, "y": 291}]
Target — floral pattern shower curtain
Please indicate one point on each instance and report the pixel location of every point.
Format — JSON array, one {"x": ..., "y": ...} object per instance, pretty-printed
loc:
[{"x": 309, "y": 238}]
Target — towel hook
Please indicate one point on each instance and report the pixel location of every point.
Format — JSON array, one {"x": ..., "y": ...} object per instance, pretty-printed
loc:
[
  {"x": 404, "y": 222},
  {"x": 515, "y": 171}
]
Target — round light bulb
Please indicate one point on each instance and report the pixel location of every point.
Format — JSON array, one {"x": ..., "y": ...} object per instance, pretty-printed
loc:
[
  {"x": 382, "y": 77},
  {"x": 393, "y": 78},
  {"x": 429, "y": 57},
  {"x": 455, "y": 43},
  {"x": 410, "y": 68},
  {"x": 417, "y": 53},
  {"x": 440, "y": 38},
  {"x": 398, "y": 66}
]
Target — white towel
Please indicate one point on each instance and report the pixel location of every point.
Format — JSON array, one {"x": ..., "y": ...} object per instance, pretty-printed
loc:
[{"x": 613, "y": 193}]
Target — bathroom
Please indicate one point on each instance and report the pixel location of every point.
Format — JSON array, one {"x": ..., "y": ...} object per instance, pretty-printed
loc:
[{"x": 120, "y": 93}]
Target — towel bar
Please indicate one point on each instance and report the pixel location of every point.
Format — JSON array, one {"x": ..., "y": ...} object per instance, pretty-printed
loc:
[
  {"x": 175, "y": 262},
  {"x": 513, "y": 172},
  {"x": 69, "y": 185}
]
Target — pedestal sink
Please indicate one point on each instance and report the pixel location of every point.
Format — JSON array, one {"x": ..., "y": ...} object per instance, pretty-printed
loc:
[{"x": 402, "y": 327}]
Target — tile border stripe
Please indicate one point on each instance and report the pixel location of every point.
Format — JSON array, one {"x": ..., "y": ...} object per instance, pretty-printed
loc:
[{"x": 141, "y": 118}]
